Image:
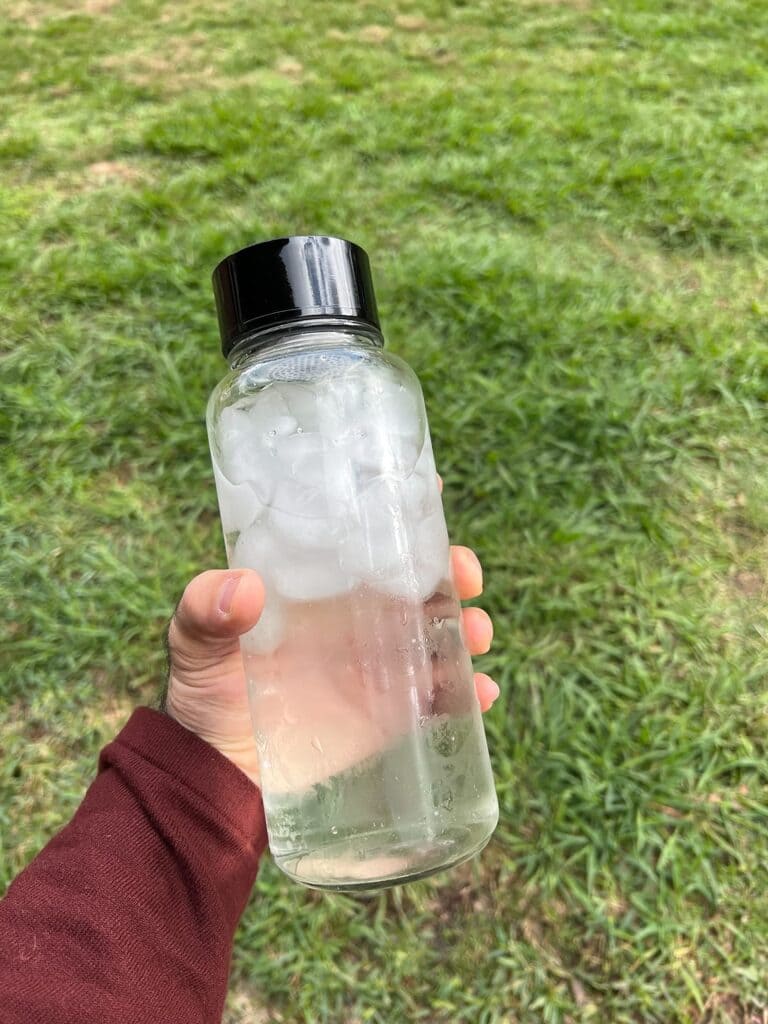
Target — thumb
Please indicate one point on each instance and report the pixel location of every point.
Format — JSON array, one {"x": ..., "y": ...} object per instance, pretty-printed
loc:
[{"x": 215, "y": 609}]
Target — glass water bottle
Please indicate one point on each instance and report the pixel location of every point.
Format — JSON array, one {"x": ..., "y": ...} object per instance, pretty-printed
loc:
[{"x": 374, "y": 765}]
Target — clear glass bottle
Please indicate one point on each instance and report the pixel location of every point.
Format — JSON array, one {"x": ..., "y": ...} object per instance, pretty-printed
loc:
[{"x": 374, "y": 765}]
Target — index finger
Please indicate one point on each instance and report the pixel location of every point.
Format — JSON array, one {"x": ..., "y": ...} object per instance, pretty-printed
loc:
[{"x": 467, "y": 572}]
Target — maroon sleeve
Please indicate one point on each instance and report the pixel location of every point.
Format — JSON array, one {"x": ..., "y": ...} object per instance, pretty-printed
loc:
[{"x": 129, "y": 913}]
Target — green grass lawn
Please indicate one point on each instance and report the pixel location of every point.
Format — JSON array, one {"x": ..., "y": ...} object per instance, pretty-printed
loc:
[{"x": 565, "y": 207}]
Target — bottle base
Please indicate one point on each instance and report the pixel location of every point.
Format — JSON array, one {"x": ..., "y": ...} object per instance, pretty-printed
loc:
[{"x": 377, "y": 861}]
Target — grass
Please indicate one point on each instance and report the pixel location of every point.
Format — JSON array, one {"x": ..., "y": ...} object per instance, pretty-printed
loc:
[{"x": 565, "y": 207}]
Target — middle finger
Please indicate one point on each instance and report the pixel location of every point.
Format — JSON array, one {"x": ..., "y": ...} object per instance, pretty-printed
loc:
[{"x": 478, "y": 630}]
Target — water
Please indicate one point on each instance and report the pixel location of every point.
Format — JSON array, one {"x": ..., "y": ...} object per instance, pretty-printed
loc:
[
  {"x": 417, "y": 808},
  {"x": 371, "y": 745}
]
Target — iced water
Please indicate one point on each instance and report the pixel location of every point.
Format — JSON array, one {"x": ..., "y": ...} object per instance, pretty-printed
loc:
[{"x": 370, "y": 742}]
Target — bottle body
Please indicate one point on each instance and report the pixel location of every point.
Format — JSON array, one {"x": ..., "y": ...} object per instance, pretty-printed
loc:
[{"x": 372, "y": 751}]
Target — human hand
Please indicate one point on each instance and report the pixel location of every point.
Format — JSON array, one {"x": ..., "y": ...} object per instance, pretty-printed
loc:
[{"x": 206, "y": 686}]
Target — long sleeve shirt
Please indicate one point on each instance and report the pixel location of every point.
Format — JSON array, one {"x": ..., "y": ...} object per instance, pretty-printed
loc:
[{"x": 128, "y": 914}]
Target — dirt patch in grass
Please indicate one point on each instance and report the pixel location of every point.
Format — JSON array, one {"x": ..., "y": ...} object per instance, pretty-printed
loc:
[
  {"x": 289, "y": 67},
  {"x": 411, "y": 22},
  {"x": 242, "y": 1008},
  {"x": 184, "y": 64},
  {"x": 724, "y": 1006},
  {"x": 110, "y": 715},
  {"x": 98, "y": 6},
  {"x": 106, "y": 171},
  {"x": 576, "y": 5},
  {"x": 375, "y": 33},
  {"x": 35, "y": 14},
  {"x": 748, "y": 584}
]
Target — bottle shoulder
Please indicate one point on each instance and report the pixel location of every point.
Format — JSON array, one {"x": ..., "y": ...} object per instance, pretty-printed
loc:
[{"x": 325, "y": 358}]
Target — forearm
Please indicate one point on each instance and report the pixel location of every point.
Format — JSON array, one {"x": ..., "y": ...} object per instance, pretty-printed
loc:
[{"x": 129, "y": 913}]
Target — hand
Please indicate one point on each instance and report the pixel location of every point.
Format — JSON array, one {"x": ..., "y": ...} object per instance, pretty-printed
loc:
[{"x": 206, "y": 685}]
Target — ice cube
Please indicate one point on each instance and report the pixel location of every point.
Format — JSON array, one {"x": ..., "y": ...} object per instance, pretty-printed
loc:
[
  {"x": 268, "y": 632},
  {"x": 378, "y": 544},
  {"x": 425, "y": 464},
  {"x": 316, "y": 479},
  {"x": 281, "y": 426},
  {"x": 247, "y": 437},
  {"x": 305, "y": 531},
  {"x": 288, "y": 569},
  {"x": 268, "y": 410},
  {"x": 418, "y": 575},
  {"x": 394, "y": 425},
  {"x": 332, "y": 400},
  {"x": 399, "y": 543},
  {"x": 421, "y": 487},
  {"x": 433, "y": 553},
  {"x": 375, "y": 451},
  {"x": 238, "y": 503},
  {"x": 418, "y": 496},
  {"x": 400, "y": 405},
  {"x": 302, "y": 403},
  {"x": 256, "y": 549},
  {"x": 310, "y": 576},
  {"x": 301, "y": 455},
  {"x": 295, "y": 498}
]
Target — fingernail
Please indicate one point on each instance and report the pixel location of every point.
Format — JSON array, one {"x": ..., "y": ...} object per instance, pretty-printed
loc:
[
  {"x": 227, "y": 594},
  {"x": 476, "y": 562},
  {"x": 496, "y": 688}
]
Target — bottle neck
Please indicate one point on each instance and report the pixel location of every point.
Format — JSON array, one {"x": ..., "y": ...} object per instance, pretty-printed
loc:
[{"x": 305, "y": 334}]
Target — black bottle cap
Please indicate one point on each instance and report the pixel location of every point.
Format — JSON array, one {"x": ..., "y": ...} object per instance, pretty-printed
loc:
[{"x": 289, "y": 279}]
